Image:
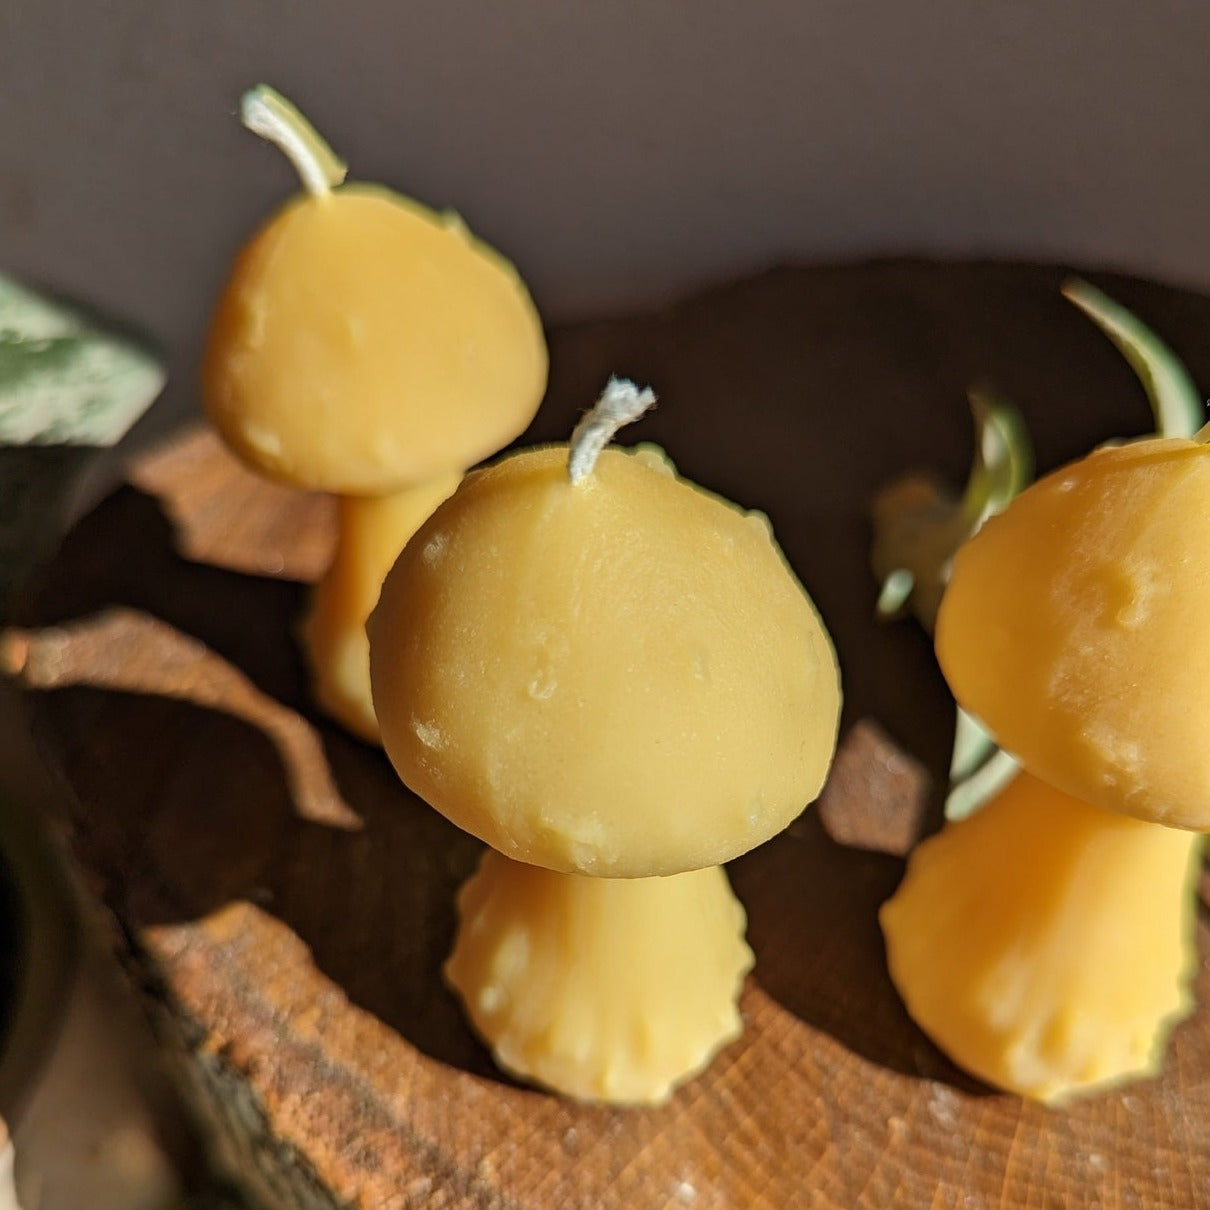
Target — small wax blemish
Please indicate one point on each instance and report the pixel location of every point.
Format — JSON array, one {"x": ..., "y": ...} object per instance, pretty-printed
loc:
[
  {"x": 429, "y": 735},
  {"x": 1056, "y": 1034},
  {"x": 654, "y": 458},
  {"x": 385, "y": 451},
  {"x": 756, "y": 809},
  {"x": 586, "y": 842},
  {"x": 585, "y": 857},
  {"x": 434, "y": 549},
  {"x": 542, "y": 685},
  {"x": 355, "y": 331},
  {"x": 266, "y": 442},
  {"x": 642, "y": 1038},
  {"x": 1119, "y": 757},
  {"x": 255, "y": 324},
  {"x": 512, "y": 956},
  {"x": 453, "y": 221},
  {"x": 1136, "y": 611},
  {"x": 490, "y": 998},
  {"x": 1124, "y": 597},
  {"x": 759, "y": 521}
]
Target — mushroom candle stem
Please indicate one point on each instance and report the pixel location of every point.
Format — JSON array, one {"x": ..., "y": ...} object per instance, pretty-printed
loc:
[
  {"x": 373, "y": 530},
  {"x": 605, "y": 989},
  {"x": 1047, "y": 945}
]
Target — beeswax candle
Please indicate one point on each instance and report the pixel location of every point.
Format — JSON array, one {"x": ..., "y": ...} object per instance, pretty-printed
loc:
[{"x": 367, "y": 346}]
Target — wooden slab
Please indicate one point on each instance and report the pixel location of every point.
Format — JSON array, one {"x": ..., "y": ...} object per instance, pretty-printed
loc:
[{"x": 287, "y": 905}]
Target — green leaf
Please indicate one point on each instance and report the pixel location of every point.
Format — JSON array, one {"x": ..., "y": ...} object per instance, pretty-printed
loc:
[
  {"x": 918, "y": 527},
  {"x": 1175, "y": 401},
  {"x": 978, "y": 768},
  {"x": 981, "y": 786},
  {"x": 67, "y": 378},
  {"x": 973, "y": 744},
  {"x": 918, "y": 524},
  {"x": 1004, "y": 458}
]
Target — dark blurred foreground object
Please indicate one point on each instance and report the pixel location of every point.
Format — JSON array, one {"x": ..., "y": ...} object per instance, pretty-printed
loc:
[
  {"x": 37, "y": 944},
  {"x": 72, "y": 383}
]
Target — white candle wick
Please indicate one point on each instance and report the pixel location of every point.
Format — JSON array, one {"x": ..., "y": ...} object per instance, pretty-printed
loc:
[
  {"x": 268, "y": 114},
  {"x": 621, "y": 402}
]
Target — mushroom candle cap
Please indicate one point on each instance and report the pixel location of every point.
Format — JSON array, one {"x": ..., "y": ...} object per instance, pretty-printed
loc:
[
  {"x": 618, "y": 677},
  {"x": 364, "y": 343},
  {"x": 1076, "y": 626}
]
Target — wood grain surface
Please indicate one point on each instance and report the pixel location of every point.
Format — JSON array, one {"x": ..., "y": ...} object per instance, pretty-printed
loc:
[{"x": 286, "y": 904}]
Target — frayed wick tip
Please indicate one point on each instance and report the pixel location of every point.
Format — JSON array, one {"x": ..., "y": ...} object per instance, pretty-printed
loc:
[{"x": 621, "y": 403}]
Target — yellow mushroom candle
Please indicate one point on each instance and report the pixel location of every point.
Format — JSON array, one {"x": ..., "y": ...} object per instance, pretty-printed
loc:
[
  {"x": 1047, "y": 945},
  {"x": 601, "y": 669},
  {"x": 369, "y": 347}
]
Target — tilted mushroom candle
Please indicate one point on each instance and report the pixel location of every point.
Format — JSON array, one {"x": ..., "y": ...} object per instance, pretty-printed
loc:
[
  {"x": 611, "y": 673},
  {"x": 366, "y": 346},
  {"x": 1074, "y": 627}
]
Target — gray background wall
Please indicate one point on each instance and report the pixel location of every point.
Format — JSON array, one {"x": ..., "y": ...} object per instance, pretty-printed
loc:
[{"x": 618, "y": 151}]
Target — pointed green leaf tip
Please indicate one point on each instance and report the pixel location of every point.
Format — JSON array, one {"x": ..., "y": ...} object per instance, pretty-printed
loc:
[
  {"x": 65, "y": 378},
  {"x": 1004, "y": 458},
  {"x": 1174, "y": 398}
]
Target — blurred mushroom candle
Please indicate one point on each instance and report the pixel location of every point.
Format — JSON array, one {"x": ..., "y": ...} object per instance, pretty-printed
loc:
[
  {"x": 614, "y": 679},
  {"x": 1048, "y": 942},
  {"x": 366, "y": 346}
]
